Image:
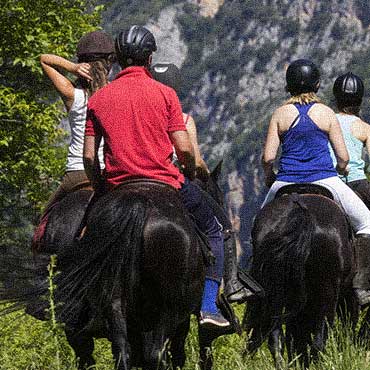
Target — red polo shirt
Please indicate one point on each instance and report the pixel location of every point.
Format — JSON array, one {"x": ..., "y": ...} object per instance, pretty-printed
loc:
[{"x": 134, "y": 114}]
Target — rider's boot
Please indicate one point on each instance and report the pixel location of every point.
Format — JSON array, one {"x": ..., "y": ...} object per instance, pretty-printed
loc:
[
  {"x": 236, "y": 289},
  {"x": 361, "y": 281},
  {"x": 210, "y": 316}
]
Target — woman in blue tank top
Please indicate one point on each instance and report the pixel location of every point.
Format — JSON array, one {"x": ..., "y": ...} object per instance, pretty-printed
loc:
[{"x": 303, "y": 127}]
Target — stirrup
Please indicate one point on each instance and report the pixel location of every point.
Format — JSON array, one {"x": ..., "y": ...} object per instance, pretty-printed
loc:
[
  {"x": 244, "y": 288},
  {"x": 236, "y": 292}
]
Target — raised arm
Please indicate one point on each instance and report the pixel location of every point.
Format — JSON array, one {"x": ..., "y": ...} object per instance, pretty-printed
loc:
[{"x": 51, "y": 64}]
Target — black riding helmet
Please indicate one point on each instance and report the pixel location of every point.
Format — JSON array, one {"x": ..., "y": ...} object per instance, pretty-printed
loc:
[
  {"x": 348, "y": 89},
  {"x": 134, "y": 46},
  {"x": 93, "y": 46},
  {"x": 168, "y": 74},
  {"x": 302, "y": 76}
]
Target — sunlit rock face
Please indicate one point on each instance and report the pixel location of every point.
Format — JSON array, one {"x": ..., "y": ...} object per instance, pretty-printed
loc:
[
  {"x": 208, "y": 8},
  {"x": 171, "y": 47}
]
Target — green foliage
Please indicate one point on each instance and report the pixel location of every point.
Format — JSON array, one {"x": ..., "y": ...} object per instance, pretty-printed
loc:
[
  {"x": 29, "y": 28},
  {"x": 29, "y": 155},
  {"x": 28, "y": 344},
  {"x": 32, "y": 154}
]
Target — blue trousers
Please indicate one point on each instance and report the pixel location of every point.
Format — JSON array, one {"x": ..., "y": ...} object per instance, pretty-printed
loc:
[{"x": 205, "y": 219}]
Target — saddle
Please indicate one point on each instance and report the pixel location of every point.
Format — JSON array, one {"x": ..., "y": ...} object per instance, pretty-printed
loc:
[{"x": 304, "y": 188}]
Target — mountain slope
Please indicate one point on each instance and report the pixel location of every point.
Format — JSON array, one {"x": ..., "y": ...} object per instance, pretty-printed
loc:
[{"x": 233, "y": 55}]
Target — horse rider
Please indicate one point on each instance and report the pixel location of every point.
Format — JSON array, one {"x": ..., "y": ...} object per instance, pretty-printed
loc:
[
  {"x": 95, "y": 54},
  {"x": 304, "y": 126},
  {"x": 234, "y": 289},
  {"x": 348, "y": 91},
  {"x": 141, "y": 121}
]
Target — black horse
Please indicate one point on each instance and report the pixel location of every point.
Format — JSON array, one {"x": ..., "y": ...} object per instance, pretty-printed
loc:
[
  {"x": 134, "y": 277},
  {"x": 304, "y": 260}
]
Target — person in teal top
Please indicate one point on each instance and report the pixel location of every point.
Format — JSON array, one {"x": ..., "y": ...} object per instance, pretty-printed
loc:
[{"x": 348, "y": 91}]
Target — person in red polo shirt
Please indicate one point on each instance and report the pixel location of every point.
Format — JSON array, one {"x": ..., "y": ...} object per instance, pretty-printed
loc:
[{"x": 141, "y": 121}]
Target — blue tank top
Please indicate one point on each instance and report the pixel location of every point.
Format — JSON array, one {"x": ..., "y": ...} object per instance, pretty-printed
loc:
[{"x": 305, "y": 154}]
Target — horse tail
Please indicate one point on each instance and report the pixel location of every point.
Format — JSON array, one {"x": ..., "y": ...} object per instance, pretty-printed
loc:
[
  {"x": 280, "y": 258},
  {"x": 24, "y": 280},
  {"x": 108, "y": 256}
]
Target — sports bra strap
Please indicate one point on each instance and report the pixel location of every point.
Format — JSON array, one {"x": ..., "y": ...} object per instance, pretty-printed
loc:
[{"x": 303, "y": 108}]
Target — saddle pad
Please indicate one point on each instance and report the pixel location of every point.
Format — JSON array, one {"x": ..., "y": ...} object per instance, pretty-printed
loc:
[{"x": 304, "y": 189}]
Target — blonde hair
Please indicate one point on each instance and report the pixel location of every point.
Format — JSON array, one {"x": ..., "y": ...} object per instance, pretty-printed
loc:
[{"x": 305, "y": 98}]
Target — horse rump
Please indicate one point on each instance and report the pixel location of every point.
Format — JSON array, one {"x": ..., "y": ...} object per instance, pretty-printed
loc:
[
  {"x": 302, "y": 258},
  {"x": 139, "y": 265}
]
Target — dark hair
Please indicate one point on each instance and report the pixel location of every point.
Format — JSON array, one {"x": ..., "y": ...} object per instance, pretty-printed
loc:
[
  {"x": 99, "y": 70},
  {"x": 353, "y": 110},
  {"x": 168, "y": 74}
]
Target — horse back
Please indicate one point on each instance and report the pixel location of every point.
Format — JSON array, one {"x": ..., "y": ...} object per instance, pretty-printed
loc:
[
  {"x": 64, "y": 221},
  {"x": 143, "y": 233},
  {"x": 332, "y": 238},
  {"x": 304, "y": 240}
]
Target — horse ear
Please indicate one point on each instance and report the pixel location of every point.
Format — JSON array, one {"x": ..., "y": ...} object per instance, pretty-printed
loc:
[{"x": 215, "y": 174}]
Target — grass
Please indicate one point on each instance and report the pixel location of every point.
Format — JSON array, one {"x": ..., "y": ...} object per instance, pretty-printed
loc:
[{"x": 28, "y": 344}]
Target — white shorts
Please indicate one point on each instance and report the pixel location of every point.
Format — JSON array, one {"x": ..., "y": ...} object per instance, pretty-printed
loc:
[{"x": 357, "y": 212}]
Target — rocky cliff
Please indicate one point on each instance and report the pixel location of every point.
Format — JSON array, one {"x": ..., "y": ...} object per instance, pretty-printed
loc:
[{"x": 233, "y": 55}]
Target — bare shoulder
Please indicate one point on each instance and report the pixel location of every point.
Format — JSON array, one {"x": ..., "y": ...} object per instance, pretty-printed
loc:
[
  {"x": 323, "y": 115},
  {"x": 361, "y": 129},
  {"x": 361, "y": 123},
  {"x": 284, "y": 110},
  {"x": 322, "y": 109}
]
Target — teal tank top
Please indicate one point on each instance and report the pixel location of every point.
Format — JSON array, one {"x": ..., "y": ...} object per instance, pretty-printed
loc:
[{"x": 356, "y": 164}]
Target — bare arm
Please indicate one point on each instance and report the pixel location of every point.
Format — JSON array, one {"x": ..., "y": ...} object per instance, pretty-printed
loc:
[
  {"x": 51, "y": 63},
  {"x": 337, "y": 142},
  {"x": 184, "y": 151},
  {"x": 270, "y": 151},
  {"x": 361, "y": 131},
  {"x": 367, "y": 140},
  {"x": 202, "y": 171},
  {"x": 91, "y": 162}
]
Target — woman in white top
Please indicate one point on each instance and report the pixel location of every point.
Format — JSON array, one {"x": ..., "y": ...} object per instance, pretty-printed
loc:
[{"x": 95, "y": 53}]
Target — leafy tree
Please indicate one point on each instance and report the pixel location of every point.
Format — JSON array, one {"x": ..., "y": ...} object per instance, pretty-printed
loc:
[{"x": 31, "y": 152}]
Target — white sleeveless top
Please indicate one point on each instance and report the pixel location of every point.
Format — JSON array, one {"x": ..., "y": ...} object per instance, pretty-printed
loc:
[{"x": 77, "y": 121}]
